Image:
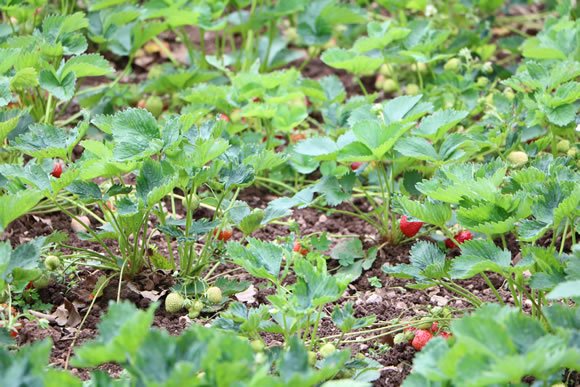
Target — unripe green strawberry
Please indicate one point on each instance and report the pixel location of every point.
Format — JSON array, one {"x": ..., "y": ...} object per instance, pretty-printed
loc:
[
  {"x": 379, "y": 82},
  {"x": 193, "y": 202},
  {"x": 257, "y": 345},
  {"x": 412, "y": 89},
  {"x": 174, "y": 302},
  {"x": 452, "y": 64},
  {"x": 509, "y": 93},
  {"x": 421, "y": 67},
  {"x": 572, "y": 152},
  {"x": 260, "y": 358},
  {"x": 482, "y": 81},
  {"x": 312, "y": 358},
  {"x": 487, "y": 67},
  {"x": 52, "y": 262},
  {"x": 291, "y": 34},
  {"x": 389, "y": 85},
  {"x": 489, "y": 99},
  {"x": 214, "y": 295},
  {"x": 42, "y": 282},
  {"x": 155, "y": 72},
  {"x": 518, "y": 158},
  {"x": 192, "y": 313},
  {"x": 327, "y": 349},
  {"x": 3, "y": 297},
  {"x": 563, "y": 146},
  {"x": 155, "y": 105},
  {"x": 313, "y": 51},
  {"x": 386, "y": 70},
  {"x": 197, "y": 305},
  {"x": 187, "y": 303}
]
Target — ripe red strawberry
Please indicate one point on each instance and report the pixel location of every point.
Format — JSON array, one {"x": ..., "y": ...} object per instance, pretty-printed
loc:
[
  {"x": 295, "y": 137},
  {"x": 463, "y": 236},
  {"x": 410, "y": 229},
  {"x": 13, "y": 332},
  {"x": 421, "y": 338},
  {"x": 356, "y": 165},
  {"x": 299, "y": 249},
  {"x": 435, "y": 327},
  {"x": 449, "y": 243},
  {"x": 223, "y": 235},
  {"x": 445, "y": 335},
  {"x": 223, "y": 117},
  {"x": 460, "y": 237},
  {"x": 56, "y": 170}
]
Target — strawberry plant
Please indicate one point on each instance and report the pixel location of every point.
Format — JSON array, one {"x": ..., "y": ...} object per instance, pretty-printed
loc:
[
  {"x": 484, "y": 341},
  {"x": 276, "y": 174},
  {"x": 377, "y": 137},
  {"x": 45, "y": 81}
]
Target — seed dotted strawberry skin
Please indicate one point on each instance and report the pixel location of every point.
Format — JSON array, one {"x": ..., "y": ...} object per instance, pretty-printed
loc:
[
  {"x": 56, "y": 170},
  {"x": 460, "y": 237},
  {"x": 463, "y": 236},
  {"x": 223, "y": 117},
  {"x": 435, "y": 327},
  {"x": 410, "y": 229},
  {"x": 299, "y": 249},
  {"x": 421, "y": 339},
  {"x": 356, "y": 165},
  {"x": 224, "y": 235},
  {"x": 445, "y": 335}
]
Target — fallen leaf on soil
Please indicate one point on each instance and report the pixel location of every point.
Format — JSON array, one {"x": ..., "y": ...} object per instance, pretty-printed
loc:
[
  {"x": 46, "y": 221},
  {"x": 151, "y": 295},
  {"x": 67, "y": 315},
  {"x": 248, "y": 295}
]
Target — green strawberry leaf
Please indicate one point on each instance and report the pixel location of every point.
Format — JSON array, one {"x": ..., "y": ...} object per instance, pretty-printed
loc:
[
  {"x": 479, "y": 256},
  {"x": 352, "y": 61},
  {"x": 417, "y": 148},
  {"x": 87, "y": 65},
  {"x": 122, "y": 332},
  {"x": 315, "y": 287},
  {"x": 437, "y": 124},
  {"x": 13, "y": 206},
  {"x": 155, "y": 181},
  {"x": 136, "y": 134},
  {"x": 427, "y": 262},
  {"x": 62, "y": 88},
  {"x": 343, "y": 318},
  {"x": 260, "y": 259},
  {"x": 429, "y": 212}
]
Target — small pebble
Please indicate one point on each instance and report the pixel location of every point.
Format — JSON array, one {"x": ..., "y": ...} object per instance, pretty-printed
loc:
[
  {"x": 374, "y": 299},
  {"x": 440, "y": 301},
  {"x": 77, "y": 226}
]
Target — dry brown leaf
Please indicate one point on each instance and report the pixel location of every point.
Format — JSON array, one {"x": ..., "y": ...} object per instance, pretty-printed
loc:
[
  {"x": 67, "y": 315},
  {"x": 248, "y": 295}
]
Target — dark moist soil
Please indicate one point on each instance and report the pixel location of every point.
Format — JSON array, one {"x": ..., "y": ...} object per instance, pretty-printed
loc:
[{"x": 389, "y": 302}]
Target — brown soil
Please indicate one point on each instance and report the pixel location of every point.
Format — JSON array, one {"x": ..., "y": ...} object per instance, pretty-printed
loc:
[{"x": 391, "y": 301}]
